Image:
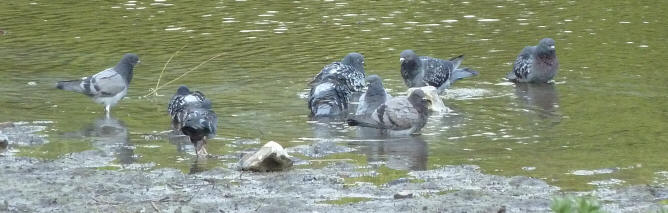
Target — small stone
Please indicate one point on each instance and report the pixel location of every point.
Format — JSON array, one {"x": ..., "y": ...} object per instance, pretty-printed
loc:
[
  {"x": 4, "y": 142},
  {"x": 502, "y": 209},
  {"x": 32, "y": 83},
  {"x": 271, "y": 157},
  {"x": 403, "y": 195}
]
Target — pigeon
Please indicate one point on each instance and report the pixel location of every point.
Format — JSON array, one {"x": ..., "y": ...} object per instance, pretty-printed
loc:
[
  {"x": 374, "y": 96},
  {"x": 419, "y": 71},
  {"x": 329, "y": 97},
  {"x": 535, "y": 64},
  {"x": 351, "y": 69},
  {"x": 191, "y": 114},
  {"x": 106, "y": 87},
  {"x": 400, "y": 114}
]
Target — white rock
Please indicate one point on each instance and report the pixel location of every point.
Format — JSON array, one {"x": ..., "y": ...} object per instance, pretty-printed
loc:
[
  {"x": 271, "y": 157},
  {"x": 431, "y": 92}
]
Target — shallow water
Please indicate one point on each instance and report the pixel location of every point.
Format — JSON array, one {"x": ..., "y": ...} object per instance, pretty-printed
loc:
[{"x": 606, "y": 112}]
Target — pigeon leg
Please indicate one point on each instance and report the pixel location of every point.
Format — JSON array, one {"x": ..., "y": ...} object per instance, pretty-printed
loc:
[
  {"x": 107, "y": 109},
  {"x": 204, "y": 152},
  {"x": 200, "y": 148}
]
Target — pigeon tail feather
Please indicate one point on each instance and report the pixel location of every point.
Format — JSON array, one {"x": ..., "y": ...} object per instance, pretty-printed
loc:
[
  {"x": 198, "y": 123},
  {"x": 72, "y": 85},
  {"x": 359, "y": 122},
  {"x": 457, "y": 60},
  {"x": 463, "y": 73}
]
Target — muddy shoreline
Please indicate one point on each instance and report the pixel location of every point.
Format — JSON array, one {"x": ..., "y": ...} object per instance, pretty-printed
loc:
[{"x": 76, "y": 183}]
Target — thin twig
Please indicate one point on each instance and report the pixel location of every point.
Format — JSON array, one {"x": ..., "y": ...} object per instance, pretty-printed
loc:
[
  {"x": 104, "y": 201},
  {"x": 155, "y": 207},
  {"x": 165, "y": 67},
  {"x": 330, "y": 160},
  {"x": 181, "y": 76}
]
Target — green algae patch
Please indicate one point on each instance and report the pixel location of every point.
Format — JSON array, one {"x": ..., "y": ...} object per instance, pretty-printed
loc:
[
  {"x": 444, "y": 192},
  {"x": 384, "y": 175},
  {"x": 108, "y": 168},
  {"x": 570, "y": 204},
  {"x": 346, "y": 200},
  {"x": 54, "y": 149}
]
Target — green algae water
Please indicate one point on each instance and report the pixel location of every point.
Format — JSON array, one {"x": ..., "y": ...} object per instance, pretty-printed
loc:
[{"x": 603, "y": 122}]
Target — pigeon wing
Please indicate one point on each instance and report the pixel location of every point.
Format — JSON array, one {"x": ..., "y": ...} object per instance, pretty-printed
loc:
[
  {"x": 354, "y": 78},
  {"x": 202, "y": 120},
  {"x": 436, "y": 71},
  {"x": 398, "y": 114},
  {"x": 104, "y": 84},
  {"x": 211, "y": 116},
  {"x": 178, "y": 104},
  {"x": 523, "y": 64},
  {"x": 328, "y": 70}
]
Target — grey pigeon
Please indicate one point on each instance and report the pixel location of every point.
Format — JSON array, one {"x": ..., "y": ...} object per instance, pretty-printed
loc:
[
  {"x": 351, "y": 69},
  {"x": 329, "y": 97},
  {"x": 419, "y": 71},
  {"x": 191, "y": 113},
  {"x": 374, "y": 96},
  {"x": 536, "y": 64},
  {"x": 400, "y": 114},
  {"x": 106, "y": 87}
]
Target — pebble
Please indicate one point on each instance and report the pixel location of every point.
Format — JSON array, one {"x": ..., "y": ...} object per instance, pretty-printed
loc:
[{"x": 403, "y": 195}]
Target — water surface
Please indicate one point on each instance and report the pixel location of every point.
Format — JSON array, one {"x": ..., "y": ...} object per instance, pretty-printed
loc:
[{"x": 606, "y": 112}]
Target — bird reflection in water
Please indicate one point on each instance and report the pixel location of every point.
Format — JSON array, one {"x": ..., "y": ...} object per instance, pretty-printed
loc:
[
  {"x": 183, "y": 145},
  {"x": 111, "y": 136},
  {"x": 541, "y": 98},
  {"x": 401, "y": 153},
  {"x": 181, "y": 141}
]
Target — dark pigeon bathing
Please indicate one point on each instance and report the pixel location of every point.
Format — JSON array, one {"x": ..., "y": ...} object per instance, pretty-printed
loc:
[
  {"x": 328, "y": 98},
  {"x": 350, "y": 70},
  {"x": 419, "y": 71},
  {"x": 333, "y": 87},
  {"x": 192, "y": 115},
  {"x": 536, "y": 64}
]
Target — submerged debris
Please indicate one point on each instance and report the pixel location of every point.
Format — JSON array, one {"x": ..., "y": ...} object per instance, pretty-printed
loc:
[{"x": 22, "y": 133}]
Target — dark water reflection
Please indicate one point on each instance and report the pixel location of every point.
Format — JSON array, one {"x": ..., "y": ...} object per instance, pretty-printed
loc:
[
  {"x": 403, "y": 153},
  {"x": 542, "y": 99},
  {"x": 111, "y": 136}
]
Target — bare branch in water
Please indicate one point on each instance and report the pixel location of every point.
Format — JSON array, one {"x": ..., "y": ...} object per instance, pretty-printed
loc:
[{"x": 155, "y": 90}]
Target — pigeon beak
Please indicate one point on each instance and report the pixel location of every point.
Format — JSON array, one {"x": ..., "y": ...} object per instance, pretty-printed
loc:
[
  {"x": 401, "y": 60},
  {"x": 552, "y": 47},
  {"x": 428, "y": 101}
]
